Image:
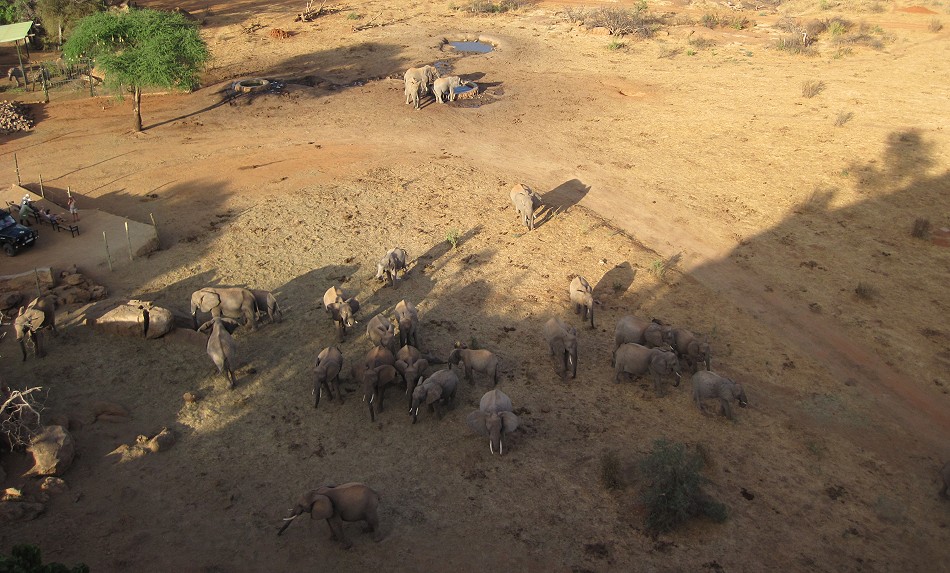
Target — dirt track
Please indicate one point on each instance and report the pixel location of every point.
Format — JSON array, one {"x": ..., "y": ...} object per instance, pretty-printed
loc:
[{"x": 777, "y": 215}]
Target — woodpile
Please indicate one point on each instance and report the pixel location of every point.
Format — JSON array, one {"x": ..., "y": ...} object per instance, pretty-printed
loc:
[
  {"x": 14, "y": 116},
  {"x": 278, "y": 34}
]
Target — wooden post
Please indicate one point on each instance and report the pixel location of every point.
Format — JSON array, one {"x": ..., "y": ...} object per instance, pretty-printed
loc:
[
  {"x": 128, "y": 237},
  {"x": 42, "y": 191},
  {"x": 108, "y": 256},
  {"x": 155, "y": 226},
  {"x": 36, "y": 276},
  {"x": 69, "y": 192},
  {"x": 45, "y": 86},
  {"x": 16, "y": 164}
]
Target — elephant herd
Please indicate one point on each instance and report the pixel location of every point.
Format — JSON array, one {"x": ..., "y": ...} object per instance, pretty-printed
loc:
[{"x": 420, "y": 82}]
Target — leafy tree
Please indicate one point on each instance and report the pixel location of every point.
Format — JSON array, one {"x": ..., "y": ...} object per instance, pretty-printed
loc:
[
  {"x": 26, "y": 559},
  {"x": 140, "y": 48},
  {"x": 61, "y": 15},
  {"x": 13, "y": 11}
]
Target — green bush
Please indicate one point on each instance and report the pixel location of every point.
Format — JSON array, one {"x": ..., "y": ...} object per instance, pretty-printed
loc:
[
  {"x": 674, "y": 494},
  {"x": 26, "y": 559}
]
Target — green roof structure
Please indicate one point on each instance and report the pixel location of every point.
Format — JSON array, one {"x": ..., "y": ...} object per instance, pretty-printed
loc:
[{"x": 15, "y": 32}]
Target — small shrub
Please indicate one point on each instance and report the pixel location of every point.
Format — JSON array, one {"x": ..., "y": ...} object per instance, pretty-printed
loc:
[
  {"x": 843, "y": 118},
  {"x": 452, "y": 237},
  {"x": 691, "y": 52},
  {"x": 356, "y": 15},
  {"x": 811, "y": 88},
  {"x": 921, "y": 228},
  {"x": 794, "y": 45},
  {"x": 615, "y": 45},
  {"x": 710, "y": 20},
  {"x": 27, "y": 559},
  {"x": 736, "y": 23},
  {"x": 876, "y": 8},
  {"x": 935, "y": 25},
  {"x": 610, "y": 471},
  {"x": 865, "y": 291},
  {"x": 674, "y": 493},
  {"x": 701, "y": 43},
  {"x": 837, "y": 28},
  {"x": 635, "y": 21},
  {"x": 670, "y": 52},
  {"x": 658, "y": 268}
]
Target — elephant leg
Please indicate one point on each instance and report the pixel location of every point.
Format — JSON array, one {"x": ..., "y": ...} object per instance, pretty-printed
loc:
[
  {"x": 23, "y": 348},
  {"x": 726, "y": 408},
  {"x": 336, "y": 531},
  {"x": 494, "y": 377},
  {"x": 469, "y": 374},
  {"x": 379, "y": 396},
  {"x": 372, "y": 524}
]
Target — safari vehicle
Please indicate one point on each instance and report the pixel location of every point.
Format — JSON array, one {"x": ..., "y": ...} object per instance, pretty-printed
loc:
[{"x": 13, "y": 236}]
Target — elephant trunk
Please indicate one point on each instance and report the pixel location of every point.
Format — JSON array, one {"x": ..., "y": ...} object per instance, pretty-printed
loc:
[
  {"x": 194, "y": 317},
  {"x": 287, "y": 522},
  {"x": 676, "y": 382},
  {"x": 22, "y": 348},
  {"x": 317, "y": 394},
  {"x": 369, "y": 404}
]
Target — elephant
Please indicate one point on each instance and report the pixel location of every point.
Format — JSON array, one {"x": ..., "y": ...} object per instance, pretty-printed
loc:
[
  {"x": 327, "y": 374},
  {"x": 443, "y": 87},
  {"x": 582, "y": 298},
  {"x": 336, "y": 504},
  {"x": 415, "y": 91},
  {"x": 39, "y": 314},
  {"x": 637, "y": 360},
  {"x": 478, "y": 360},
  {"x": 230, "y": 302},
  {"x": 412, "y": 366},
  {"x": 708, "y": 384},
  {"x": 408, "y": 319},
  {"x": 494, "y": 418},
  {"x": 649, "y": 333},
  {"x": 267, "y": 302},
  {"x": 425, "y": 76},
  {"x": 688, "y": 347},
  {"x": 381, "y": 332},
  {"x": 221, "y": 347},
  {"x": 945, "y": 475},
  {"x": 375, "y": 382},
  {"x": 438, "y": 389},
  {"x": 389, "y": 266},
  {"x": 341, "y": 310},
  {"x": 526, "y": 202},
  {"x": 562, "y": 341}
]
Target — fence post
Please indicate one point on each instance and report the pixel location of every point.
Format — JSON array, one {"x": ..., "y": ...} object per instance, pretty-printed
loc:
[
  {"x": 16, "y": 164},
  {"x": 155, "y": 227},
  {"x": 108, "y": 256},
  {"x": 42, "y": 191},
  {"x": 128, "y": 237},
  {"x": 36, "y": 276}
]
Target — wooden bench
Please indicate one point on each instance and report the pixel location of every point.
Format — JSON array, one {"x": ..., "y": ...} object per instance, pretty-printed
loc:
[{"x": 71, "y": 227}]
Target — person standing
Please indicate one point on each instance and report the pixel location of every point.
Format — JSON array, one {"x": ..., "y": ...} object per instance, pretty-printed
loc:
[{"x": 71, "y": 205}]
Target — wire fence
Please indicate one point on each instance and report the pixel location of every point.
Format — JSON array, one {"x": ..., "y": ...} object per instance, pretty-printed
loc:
[{"x": 54, "y": 80}]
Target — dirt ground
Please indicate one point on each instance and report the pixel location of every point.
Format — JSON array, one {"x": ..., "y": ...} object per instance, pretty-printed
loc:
[{"x": 769, "y": 209}]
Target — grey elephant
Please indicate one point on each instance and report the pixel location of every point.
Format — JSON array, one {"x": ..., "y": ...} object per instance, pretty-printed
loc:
[
  {"x": 389, "y": 266},
  {"x": 267, "y": 303},
  {"x": 636, "y": 330},
  {"x": 582, "y": 298},
  {"x": 945, "y": 476},
  {"x": 38, "y": 315},
  {"x": 221, "y": 346},
  {"x": 415, "y": 91},
  {"x": 339, "y": 503},
  {"x": 341, "y": 310},
  {"x": 412, "y": 365},
  {"x": 445, "y": 87},
  {"x": 708, "y": 384},
  {"x": 638, "y": 360},
  {"x": 377, "y": 356},
  {"x": 689, "y": 348},
  {"x": 494, "y": 418},
  {"x": 483, "y": 361},
  {"x": 327, "y": 374},
  {"x": 230, "y": 302},
  {"x": 436, "y": 390},
  {"x": 562, "y": 342},
  {"x": 408, "y": 318},
  {"x": 526, "y": 202},
  {"x": 381, "y": 332},
  {"x": 375, "y": 382},
  {"x": 425, "y": 76}
]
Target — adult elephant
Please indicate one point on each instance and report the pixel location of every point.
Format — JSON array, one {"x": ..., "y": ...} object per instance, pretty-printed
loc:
[
  {"x": 425, "y": 76},
  {"x": 339, "y": 503},
  {"x": 562, "y": 341},
  {"x": 39, "y": 315},
  {"x": 230, "y": 302},
  {"x": 444, "y": 88},
  {"x": 638, "y": 360}
]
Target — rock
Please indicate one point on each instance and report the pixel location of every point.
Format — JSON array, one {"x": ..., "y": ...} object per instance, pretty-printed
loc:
[
  {"x": 52, "y": 450},
  {"x": 162, "y": 441},
  {"x": 129, "y": 319},
  {"x": 98, "y": 292},
  {"x": 74, "y": 279},
  {"x": 71, "y": 294},
  {"x": 20, "y": 510},
  {"x": 190, "y": 397},
  {"x": 11, "y": 494},
  {"x": 10, "y": 300},
  {"x": 599, "y": 31},
  {"x": 53, "y": 485},
  {"x": 69, "y": 271}
]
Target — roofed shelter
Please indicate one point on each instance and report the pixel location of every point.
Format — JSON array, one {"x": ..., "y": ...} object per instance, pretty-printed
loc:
[{"x": 14, "y": 33}]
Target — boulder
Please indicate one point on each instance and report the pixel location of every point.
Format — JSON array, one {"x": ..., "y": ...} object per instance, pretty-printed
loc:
[
  {"x": 53, "y": 485},
  {"x": 10, "y": 300},
  {"x": 19, "y": 510},
  {"x": 53, "y": 451},
  {"x": 162, "y": 441},
  {"x": 74, "y": 279},
  {"x": 129, "y": 319}
]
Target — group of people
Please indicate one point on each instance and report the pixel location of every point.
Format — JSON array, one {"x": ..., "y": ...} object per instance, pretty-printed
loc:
[{"x": 28, "y": 209}]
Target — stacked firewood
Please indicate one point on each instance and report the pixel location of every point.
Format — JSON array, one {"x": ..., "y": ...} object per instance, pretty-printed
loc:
[{"x": 14, "y": 116}]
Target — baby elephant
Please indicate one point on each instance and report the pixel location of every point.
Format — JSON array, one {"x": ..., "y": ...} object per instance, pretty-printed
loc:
[
  {"x": 582, "y": 298},
  {"x": 336, "y": 504},
  {"x": 482, "y": 361},
  {"x": 562, "y": 341},
  {"x": 708, "y": 384},
  {"x": 415, "y": 91},
  {"x": 375, "y": 382},
  {"x": 267, "y": 303},
  {"x": 638, "y": 360},
  {"x": 438, "y": 389},
  {"x": 526, "y": 202},
  {"x": 408, "y": 318},
  {"x": 327, "y": 370},
  {"x": 389, "y": 266},
  {"x": 688, "y": 347},
  {"x": 443, "y": 87},
  {"x": 494, "y": 418},
  {"x": 381, "y": 332},
  {"x": 221, "y": 347}
]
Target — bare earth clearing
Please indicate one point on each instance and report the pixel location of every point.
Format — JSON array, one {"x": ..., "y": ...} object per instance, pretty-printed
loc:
[{"x": 777, "y": 214}]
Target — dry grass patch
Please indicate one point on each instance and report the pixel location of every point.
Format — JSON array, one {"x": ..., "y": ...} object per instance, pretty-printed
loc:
[{"x": 811, "y": 88}]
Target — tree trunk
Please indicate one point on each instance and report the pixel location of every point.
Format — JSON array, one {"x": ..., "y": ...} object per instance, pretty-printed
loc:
[{"x": 137, "y": 108}]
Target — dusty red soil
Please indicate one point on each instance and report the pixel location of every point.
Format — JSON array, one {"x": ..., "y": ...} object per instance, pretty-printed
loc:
[{"x": 776, "y": 215}]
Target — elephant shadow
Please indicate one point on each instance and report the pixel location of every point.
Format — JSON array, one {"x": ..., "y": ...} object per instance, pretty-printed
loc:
[
  {"x": 617, "y": 280},
  {"x": 560, "y": 199}
]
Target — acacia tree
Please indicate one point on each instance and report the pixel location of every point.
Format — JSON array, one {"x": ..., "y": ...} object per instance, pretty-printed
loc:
[
  {"x": 59, "y": 15},
  {"x": 140, "y": 48}
]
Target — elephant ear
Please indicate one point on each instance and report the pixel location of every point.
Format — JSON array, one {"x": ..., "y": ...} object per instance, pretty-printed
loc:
[
  {"x": 206, "y": 327},
  {"x": 209, "y": 300},
  {"x": 354, "y": 304},
  {"x": 477, "y": 422},
  {"x": 433, "y": 394},
  {"x": 321, "y": 508},
  {"x": 401, "y": 366},
  {"x": 230, "y": 324},
  {"x": 509, "y": 421}
]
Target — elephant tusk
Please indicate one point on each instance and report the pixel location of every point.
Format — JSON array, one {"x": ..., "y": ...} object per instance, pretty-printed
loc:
[
  {"x": 491, "y": 448},
  {"x": 371, "y": 398},
  {"x": 501, "y": 448},
  {"x": 290, "y": 518}
]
